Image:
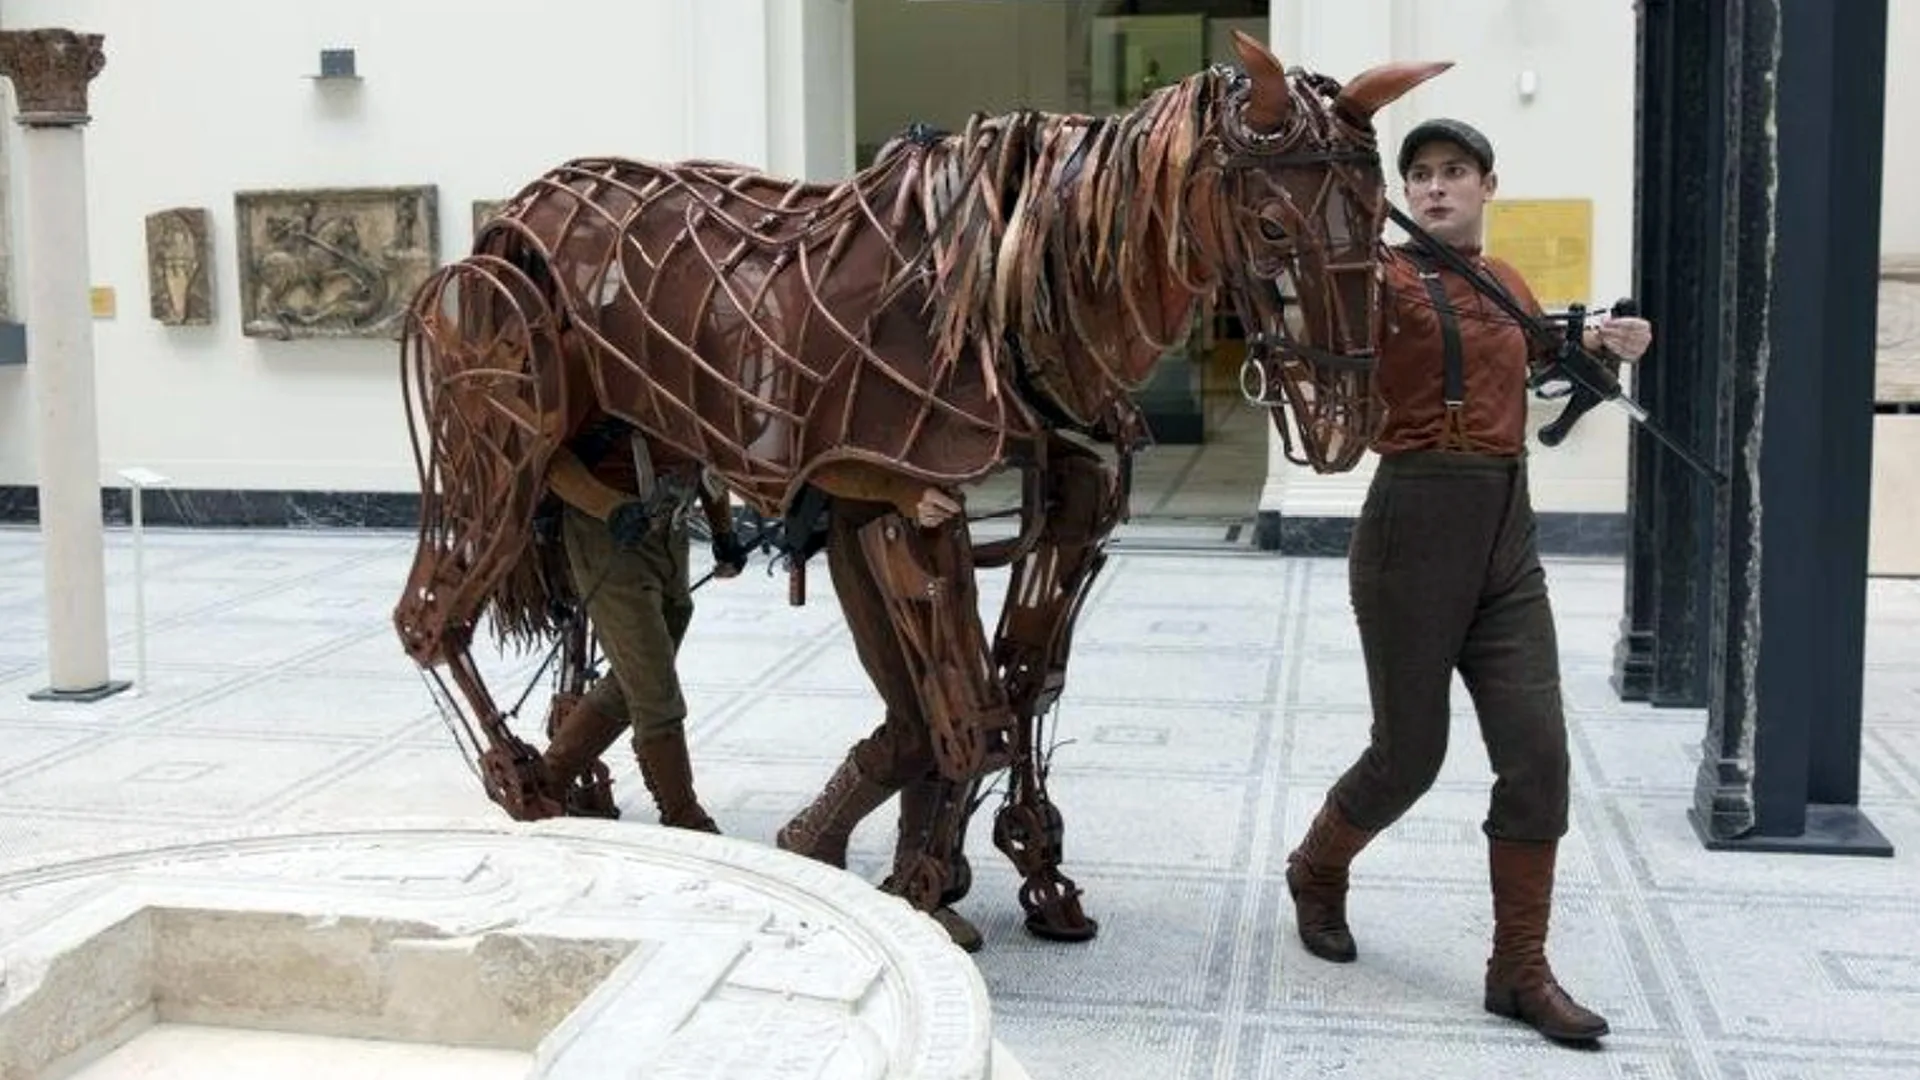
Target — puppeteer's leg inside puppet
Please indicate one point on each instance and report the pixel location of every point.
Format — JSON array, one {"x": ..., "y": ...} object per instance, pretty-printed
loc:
[{"x": 959, "y": 709}]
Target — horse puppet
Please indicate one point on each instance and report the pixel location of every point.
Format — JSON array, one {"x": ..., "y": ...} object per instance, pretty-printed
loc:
[{"x": 969, "y": 303}]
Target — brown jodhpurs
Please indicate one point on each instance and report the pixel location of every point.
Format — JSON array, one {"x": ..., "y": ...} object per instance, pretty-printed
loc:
[
  {"x": 642, "y": 607},
  {"x": 1445, "y": 575}
]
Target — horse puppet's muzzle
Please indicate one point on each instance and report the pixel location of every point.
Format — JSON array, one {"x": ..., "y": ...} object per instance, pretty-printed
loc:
[
  {"x": 1284, "y": 348},
  {"x": 1324, "y": 396},
  {"x": 1274, "y": 361}
]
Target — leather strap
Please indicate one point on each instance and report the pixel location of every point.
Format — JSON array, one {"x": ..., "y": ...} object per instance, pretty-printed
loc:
[
  {"x": 1453, "y": 390},
  {"x": 1454, "y": 387}
]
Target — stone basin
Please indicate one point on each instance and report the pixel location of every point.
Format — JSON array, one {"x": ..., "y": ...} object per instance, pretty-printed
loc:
[{"x": 576, "y": 949}]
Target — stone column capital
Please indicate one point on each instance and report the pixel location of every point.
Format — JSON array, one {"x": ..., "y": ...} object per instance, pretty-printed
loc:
[{"x": 50, "y": 70}]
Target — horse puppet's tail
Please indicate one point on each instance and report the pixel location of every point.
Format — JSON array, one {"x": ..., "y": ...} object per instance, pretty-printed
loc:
[{"x": 483, "y": 376}]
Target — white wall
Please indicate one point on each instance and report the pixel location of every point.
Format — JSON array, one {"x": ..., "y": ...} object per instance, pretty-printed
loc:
[
  {"x": 938, "y": 63},
  {"x": 1899, "y": 211},
  {"x": 200, "y": 98},
  {"x": 16, "y": 437},
  {"x": 811, "y": 87},
  {"x": 1893, "y": 531},
  {"x": 1583, "y": 54}
]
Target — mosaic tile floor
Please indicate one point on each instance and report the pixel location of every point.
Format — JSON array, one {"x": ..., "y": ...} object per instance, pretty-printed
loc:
[{"x": 1213, "y": 698}]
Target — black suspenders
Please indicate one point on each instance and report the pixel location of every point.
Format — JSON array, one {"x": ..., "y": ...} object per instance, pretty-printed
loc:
[
  {"x": 1453, "y": 373},
  {"x": 1454, "y": 386}
]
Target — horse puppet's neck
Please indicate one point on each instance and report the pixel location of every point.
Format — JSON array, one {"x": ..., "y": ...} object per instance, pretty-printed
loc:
[{"x": 1066, "y": 236}]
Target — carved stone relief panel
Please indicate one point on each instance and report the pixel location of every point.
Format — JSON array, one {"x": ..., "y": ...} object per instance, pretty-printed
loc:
[
  {"x": 180, "y": 267},
  {"x": 484, "y": 209},
  {"x": 334, "y": 263}
]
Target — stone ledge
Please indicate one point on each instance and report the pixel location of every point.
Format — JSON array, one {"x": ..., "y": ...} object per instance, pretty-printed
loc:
[
  {"x": 710, "y": 949},
  {"x": 1562, "y": 534}
]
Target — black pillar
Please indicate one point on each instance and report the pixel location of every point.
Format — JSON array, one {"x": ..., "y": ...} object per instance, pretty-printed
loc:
[
  {"x": 1679, "y": 275},
  {"x": 1782, "y": 754},
  {"x": 1652, "y": 180}
]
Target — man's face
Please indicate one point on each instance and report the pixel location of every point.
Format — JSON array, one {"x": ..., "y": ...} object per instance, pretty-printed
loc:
[{"x": 1447, "y": 193}]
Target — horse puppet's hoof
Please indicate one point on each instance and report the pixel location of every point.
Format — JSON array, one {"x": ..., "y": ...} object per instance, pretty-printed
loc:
[
  {"x": 1054, "y": 914},
  {"x": 960, "y": 930},
  {"x": 959, "y": 881},
  {"x": 591, "y": 794},
  {"x": 1074, "y": 930},
  {"x": 511, "y": 777}
]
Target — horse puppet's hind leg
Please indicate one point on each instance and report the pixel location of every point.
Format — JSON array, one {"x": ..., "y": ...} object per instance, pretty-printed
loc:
[{"x": 483, "y": 354}]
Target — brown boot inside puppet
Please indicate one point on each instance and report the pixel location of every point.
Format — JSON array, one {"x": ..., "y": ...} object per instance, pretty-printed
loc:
[{"x": 668, "y": 773}]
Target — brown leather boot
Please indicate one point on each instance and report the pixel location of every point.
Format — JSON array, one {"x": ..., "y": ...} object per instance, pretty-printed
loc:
[
  {"x": 669, "y": 778},
  {"x": 820, "y": 831},
  {"x": 583, "y": 736},
  {"x": 1317, "y": 878},
  {"x": 1520, "y": 985},
  {"x": 572, "y": 775}
]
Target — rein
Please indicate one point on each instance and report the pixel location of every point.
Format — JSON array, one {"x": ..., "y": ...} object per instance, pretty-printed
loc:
[{"x": 1572, "y": 358}]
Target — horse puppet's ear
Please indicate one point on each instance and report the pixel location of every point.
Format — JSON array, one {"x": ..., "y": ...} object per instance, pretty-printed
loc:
[
  {"x": 1376, "y": 87},
  {"x": 1271, "y": 100}
]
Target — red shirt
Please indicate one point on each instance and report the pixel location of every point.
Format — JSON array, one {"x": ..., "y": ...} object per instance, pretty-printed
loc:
[{"x": 1495, "y": 356}]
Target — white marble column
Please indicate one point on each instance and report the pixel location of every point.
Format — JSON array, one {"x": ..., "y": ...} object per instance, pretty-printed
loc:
[
  {"x": 729, "y": 70},
  {"x": 810, "y": 112},
  {"x": 50, "y": 70}
]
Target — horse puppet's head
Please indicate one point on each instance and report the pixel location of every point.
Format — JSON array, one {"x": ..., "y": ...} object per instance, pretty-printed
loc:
[{"x": 1291, "y": 212}]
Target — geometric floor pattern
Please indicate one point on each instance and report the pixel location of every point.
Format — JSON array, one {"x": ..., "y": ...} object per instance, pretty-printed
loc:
[{"x": 1212, "y": 699}]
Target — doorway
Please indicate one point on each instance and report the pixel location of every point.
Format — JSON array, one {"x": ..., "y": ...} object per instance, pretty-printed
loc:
[{"x": 937, "y": 62}]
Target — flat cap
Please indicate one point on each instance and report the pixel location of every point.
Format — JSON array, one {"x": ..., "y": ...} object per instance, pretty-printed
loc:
[{"x": 1447, "y": 130}]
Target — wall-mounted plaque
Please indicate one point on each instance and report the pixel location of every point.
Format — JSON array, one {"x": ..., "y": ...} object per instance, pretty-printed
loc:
[
  {"x": 484, "y": 209},
  {"x": 180, "y": 267},
  {"x": 334, "y": 263}
]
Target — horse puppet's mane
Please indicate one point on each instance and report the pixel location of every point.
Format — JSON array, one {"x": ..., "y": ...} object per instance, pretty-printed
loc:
[{"x": 1060, "y": 232}]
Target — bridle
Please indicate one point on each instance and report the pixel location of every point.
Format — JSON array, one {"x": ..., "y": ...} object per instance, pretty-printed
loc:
[
  {"x": 1261, "y": 343},
  {"x": 1330, "y": 392}
]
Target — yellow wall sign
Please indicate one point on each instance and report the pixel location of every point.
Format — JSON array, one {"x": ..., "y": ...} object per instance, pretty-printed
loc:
[{"x": 1550, "y": 241}]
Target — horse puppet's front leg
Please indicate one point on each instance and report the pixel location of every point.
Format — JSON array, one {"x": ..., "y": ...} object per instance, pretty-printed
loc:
[
  {"x": 1050, "y": 582},
  {"x": 928, "y": 578},
  {"x": 925, "y": 580}
]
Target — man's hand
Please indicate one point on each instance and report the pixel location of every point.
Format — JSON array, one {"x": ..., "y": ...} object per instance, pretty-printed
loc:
[
  {"x": 729, "y": 555},
  {"x": 935, "y": 508},
  {"x": 1625, "y": 336}
]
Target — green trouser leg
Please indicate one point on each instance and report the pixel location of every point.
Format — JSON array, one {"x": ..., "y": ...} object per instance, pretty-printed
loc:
[{"x": 641, "y": 607}]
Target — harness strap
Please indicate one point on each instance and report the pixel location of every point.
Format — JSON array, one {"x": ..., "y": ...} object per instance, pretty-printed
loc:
[{"x": 1453, "y": 372}]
